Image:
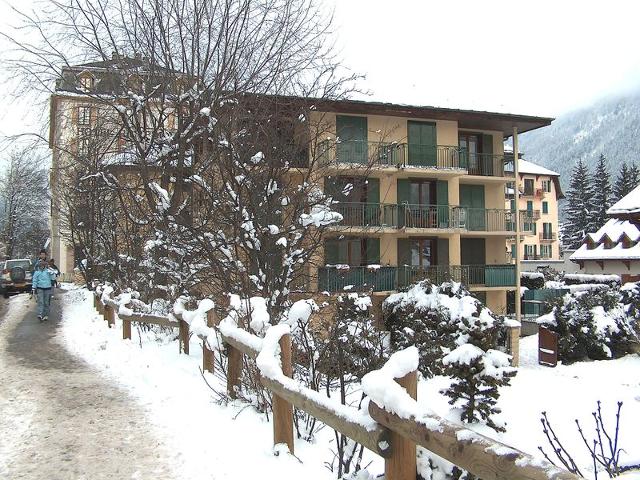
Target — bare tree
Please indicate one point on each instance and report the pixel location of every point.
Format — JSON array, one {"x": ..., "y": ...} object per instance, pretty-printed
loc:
[{"x": 25, "y": 201}]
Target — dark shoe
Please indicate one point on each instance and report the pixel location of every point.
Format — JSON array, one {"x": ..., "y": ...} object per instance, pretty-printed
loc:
[{"x": 39, "y": 318}]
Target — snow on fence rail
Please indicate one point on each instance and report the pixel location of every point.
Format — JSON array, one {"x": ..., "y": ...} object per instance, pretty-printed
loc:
[{"x": 395, "y": 423}]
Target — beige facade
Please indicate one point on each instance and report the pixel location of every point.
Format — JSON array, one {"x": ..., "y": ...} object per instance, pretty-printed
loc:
[
  {"x": 539, "y": 194},
  {"x": 460, "y": 234}
]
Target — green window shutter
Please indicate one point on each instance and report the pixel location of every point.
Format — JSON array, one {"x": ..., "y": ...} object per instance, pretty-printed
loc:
[
  {"x": 513, "y": 250},
  {"x": 545, "y": 207},
  {"x": 487, "y": 144},
  {"x": 442, "y": 200},
  {"x": 529, "y": 206},
  {"x": 404, "y": 251},
  {"x": 403, "y": 191},
  {"x": 331, "y": 251},
  {"x": 513, "y": 205},
  {"x": 442, "y": 251},
  {"x": 353, "y": 133},
  {"x": 442, "y": 192},
  {"x": 534, "y": 228},
  {"x": 422, "y": 143},
  {"x": 372, "y": 251},
  {"x": 373, "y": 190}
]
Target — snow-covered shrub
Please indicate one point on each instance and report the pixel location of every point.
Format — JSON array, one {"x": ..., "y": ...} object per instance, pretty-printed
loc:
[
  {"x": 477, "y": 375},
  {"x": 457, "y": 336},
  {"x": 598, "y": 324},
  {"x": 584, "y": 279},
  {"x": 532, "y": 280},
  {"x": 437, "y": 319}
]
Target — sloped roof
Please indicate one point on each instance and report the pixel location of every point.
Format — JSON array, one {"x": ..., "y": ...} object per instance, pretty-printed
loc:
[
  {"x": 627, "y": 205},
  {"x": 615, "y": 230},
  {"x": 535, "y": 169}
]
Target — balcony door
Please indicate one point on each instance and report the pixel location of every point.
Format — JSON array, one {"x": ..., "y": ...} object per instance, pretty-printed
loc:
[
  {"x": 472, "y": 199},
  {"x": 352, "y": 136},
  {"x": 478, "y": 150},
  {"x": 423, "y": 203},
  {"x": 422, "y": 143},
  {"x": 358, "y": 199},
  {"x": 473, "y": 258}
]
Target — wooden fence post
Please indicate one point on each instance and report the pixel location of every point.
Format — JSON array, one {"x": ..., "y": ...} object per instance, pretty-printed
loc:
[
  {"x": 514, "y": 345},
  {"x": 283, "y": 410},
  {"x": 401, "y": 465},
  {"x": 110, "y": 315},
  {"x": 183, "y": 329},
  {"x": 95, "y": 301},
  {"x": 207, "y": 354},
  {"x": 234, "y": 370},
  {"x": 126, "y": 328}
]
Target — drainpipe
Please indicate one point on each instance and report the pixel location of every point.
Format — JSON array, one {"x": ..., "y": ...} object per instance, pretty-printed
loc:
[{"x": 516, "y": 192}]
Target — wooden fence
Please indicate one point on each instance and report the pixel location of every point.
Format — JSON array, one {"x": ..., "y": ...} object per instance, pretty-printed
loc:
[{"x": 391, "y": 436}]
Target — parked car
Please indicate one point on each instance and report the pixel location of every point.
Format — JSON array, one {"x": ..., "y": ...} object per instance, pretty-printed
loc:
[{"x": 16, "y": 276}]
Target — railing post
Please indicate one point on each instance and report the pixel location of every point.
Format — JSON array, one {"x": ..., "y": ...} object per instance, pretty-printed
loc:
[
  {"x": 109, "y": 315},
  {"x": 234, "y": 371},
  {"x": 126, "y": 327},
  {"x": 207, "y": 354},
  {"x": 183, "y": 334},
  {"x": 402, "y": 465},
  {"x": 283, "y": 410}
]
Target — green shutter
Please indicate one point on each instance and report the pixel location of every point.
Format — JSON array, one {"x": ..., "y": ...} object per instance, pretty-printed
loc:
[
  {"x": 534, "y": 228},
  {"x": 529, "y": 206},
  {"x": 404, "y": 251},
  {"x": 487, "y": 144},
  {"x": 372, "y": 251},
  {"x": 545, "y": 207},
  {"x": 403, "y": 191},
  {"x": 472, "y": 196},
  {"x": 513, "y": 205},
  {"x": 442, "y": 251},
  {"x": 422, "y": 143},
  {"x": 442, "y": 200},
  {"x": 331, "y": 252},
  {"x": 373, "y": 190},
  {"x": 352, "y": 133}
]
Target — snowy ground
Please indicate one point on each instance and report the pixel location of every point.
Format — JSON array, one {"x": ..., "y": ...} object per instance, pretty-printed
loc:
[
  {"x": 566, "y": 393},
  {"x": 208, "y": 440}
]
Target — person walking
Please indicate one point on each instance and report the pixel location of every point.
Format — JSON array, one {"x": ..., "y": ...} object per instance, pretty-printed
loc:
[
  {"x": 55, "y": 272},
  {"x": 41, "y": 256},
  {"x": 42, "y": 288}
]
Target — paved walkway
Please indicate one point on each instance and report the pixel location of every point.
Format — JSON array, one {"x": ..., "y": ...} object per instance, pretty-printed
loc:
[{"x": 59, "y": 419}]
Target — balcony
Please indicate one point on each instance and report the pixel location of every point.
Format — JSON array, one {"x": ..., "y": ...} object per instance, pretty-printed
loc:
[
  {"x": 425, "y": 216},
  {"x": 529, "y": 216},
  {"x": 378, "y": 278},
  {"x": 407, "y": 155},
  {"x": 540, "y": 193},
  {"x": 537, "y": 256},
  {"x": 548, "y": 236}
]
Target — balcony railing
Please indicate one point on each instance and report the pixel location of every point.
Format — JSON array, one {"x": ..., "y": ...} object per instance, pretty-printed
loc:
[
  {"x": 378, "y": 278},
  {"x": 401, "y": 155},
  {"x": 425, "y": 216},
  {"x": 548, "y": 236},
  {"x": 529, "y": 215}
]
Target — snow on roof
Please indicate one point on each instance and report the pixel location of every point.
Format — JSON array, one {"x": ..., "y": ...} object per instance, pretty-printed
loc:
[
  {"x": 601, "y": 253},
  {"x": 614, "y": 229},
  {"x": 630, "y": 203},
  {"x": 532, "y": 168}
]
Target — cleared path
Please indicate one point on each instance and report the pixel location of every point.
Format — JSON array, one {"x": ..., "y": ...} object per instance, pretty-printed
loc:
[{"x": 59, "y": 419}]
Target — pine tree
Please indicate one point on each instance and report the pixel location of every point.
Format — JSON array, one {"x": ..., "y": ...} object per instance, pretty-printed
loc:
[
  {"x": 634, "y": 177},
  {"x": 601, "y": 200},
  {"x": 578, "y": 207},
  {"x": 626, "y": 181}
]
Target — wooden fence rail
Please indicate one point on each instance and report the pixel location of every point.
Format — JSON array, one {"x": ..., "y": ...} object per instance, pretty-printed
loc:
[{"x": 390, "y": 436}]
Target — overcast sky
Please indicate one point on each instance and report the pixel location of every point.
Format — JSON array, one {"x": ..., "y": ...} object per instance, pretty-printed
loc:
[{"x": 537, "y": 57}]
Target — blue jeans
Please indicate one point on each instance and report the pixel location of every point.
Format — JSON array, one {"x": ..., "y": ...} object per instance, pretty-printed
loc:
[{"x": 44, "y": 300}]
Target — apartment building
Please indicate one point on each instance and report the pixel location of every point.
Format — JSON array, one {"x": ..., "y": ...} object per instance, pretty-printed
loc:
[
  {"x": 540, "y": 192},
  {"x": 425, "y": 197}
]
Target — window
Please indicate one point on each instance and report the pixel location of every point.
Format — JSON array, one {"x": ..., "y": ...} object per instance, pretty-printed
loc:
[
  {"x": 422, "y": 192},
  {"x": 529, "y": 206},
  {"x": 547, "y": 234},
  {"x": 86, "y": 82},
  {"x": 545, "y": 251},
  {"x": 84, "y": 115},
  {"x": 546, "y": 185},
  {"x": 528, "y": 186},
  {"x": 83, "y": 146},
  {"x": 422, "y": 252},
  {"x": 545, "y": 207},
  {"x": 530, "y": 252},
  {"x": 352, "y": 251}
]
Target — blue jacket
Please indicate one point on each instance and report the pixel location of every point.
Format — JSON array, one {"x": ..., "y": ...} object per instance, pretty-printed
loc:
[{"x": 41, "y": 279}]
